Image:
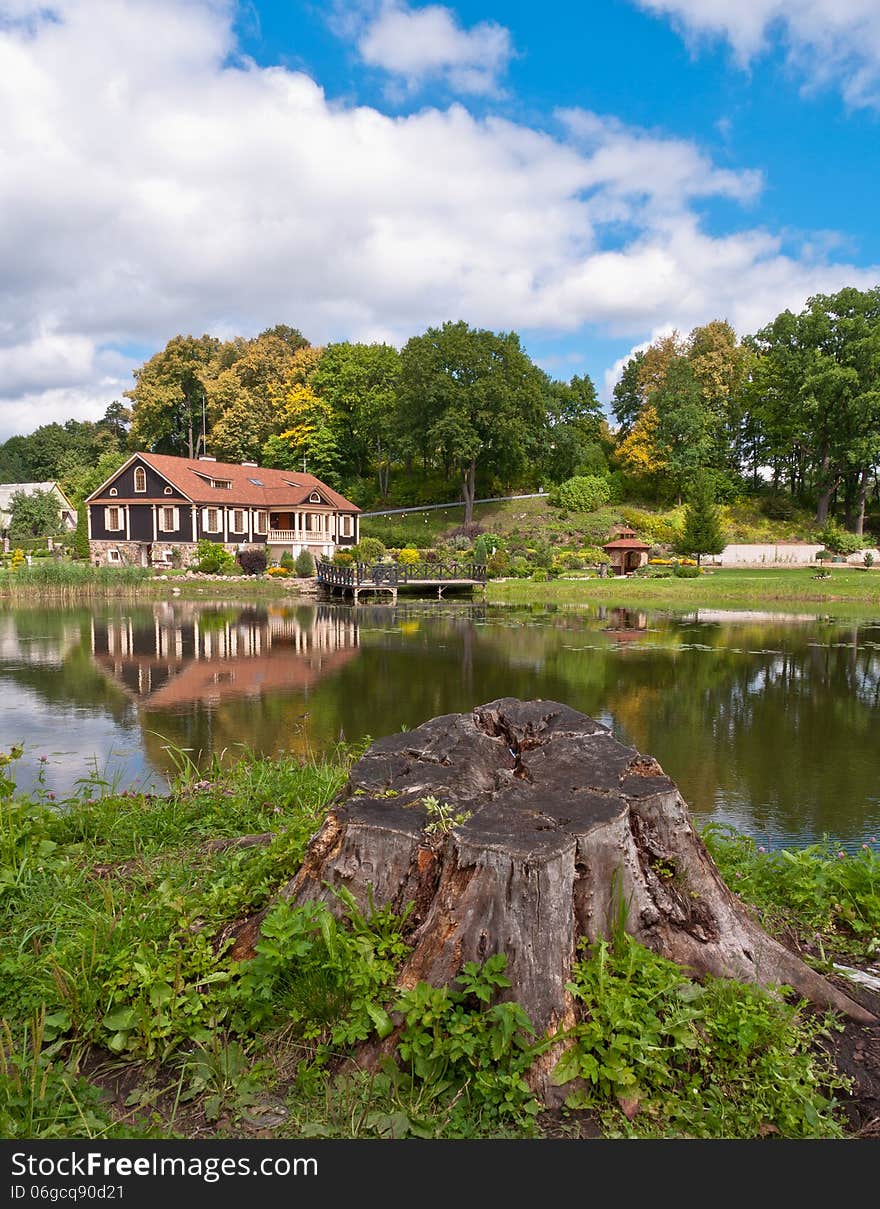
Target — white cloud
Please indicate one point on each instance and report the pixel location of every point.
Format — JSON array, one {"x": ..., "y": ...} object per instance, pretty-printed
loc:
[
  {"x": 827, "y": 40},
  {"x": 156, "y": 184},
  {"x": 418, "y": 45}
]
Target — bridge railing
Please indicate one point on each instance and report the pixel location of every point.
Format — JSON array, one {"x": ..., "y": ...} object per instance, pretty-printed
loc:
[{"x": 358, "y": 575}]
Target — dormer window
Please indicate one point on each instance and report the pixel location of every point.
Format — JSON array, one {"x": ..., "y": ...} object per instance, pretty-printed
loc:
[
  {"x": 140, "y": 479},
  {"x": 224, "y": 484}
]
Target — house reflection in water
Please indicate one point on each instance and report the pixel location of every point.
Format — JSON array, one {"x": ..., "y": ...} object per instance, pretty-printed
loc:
[{"x": 192, "y": 653}]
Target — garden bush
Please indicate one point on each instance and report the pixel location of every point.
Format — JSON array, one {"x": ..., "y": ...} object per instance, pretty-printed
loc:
[
  {"x": 370, "y": 550},
  {"x": 839, "y": 541},
  {"x": 583, "y": 493},
  {"x": 409, "y": 557},
  {"x": 252, "y": 560},
  {"x": 498, "y": 564},
  {"x": 305, "y": 564},
  {"x": 686, "y": 571},
  {"x": 213, "y": 559}
]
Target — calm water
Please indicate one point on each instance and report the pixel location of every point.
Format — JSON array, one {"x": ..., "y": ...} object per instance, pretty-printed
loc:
[{"x": 768, "y": 724}]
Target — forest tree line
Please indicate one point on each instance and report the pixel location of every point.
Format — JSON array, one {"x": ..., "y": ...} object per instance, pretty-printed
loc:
[{"x": 792, "y": 411}]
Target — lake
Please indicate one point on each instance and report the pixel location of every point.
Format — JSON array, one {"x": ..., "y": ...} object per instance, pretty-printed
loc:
[{"x": 768, "y": 723}]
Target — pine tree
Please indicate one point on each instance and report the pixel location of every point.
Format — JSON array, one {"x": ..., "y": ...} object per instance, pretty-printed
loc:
[
  {"x": 81, "y": 538},
  {"x": 702, "y": 532}
]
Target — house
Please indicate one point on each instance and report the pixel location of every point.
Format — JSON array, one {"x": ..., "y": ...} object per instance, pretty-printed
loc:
[
  {"x": 156, "y": 505},
  {"x": 627, "y": 552},
  {"x": 8, "y": 490}
]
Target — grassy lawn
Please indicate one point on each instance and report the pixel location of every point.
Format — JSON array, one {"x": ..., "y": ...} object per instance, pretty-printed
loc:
[{"x": 849, "y": 591}]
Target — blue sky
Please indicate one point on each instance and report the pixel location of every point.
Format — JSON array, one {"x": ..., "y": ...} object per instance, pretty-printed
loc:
[{"x": 590, "y": 174}]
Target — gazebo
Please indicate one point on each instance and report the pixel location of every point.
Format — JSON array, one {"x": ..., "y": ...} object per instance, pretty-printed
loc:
[{"x": 627, "y": 552}]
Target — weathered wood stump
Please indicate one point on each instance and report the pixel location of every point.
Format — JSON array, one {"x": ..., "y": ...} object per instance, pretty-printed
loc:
[{"x": 569, "y": 831}]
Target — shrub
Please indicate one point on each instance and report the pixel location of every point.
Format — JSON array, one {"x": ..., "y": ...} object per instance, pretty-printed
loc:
[
  {"x": 370, "y": 550},
  {"x": 498, "y": 564},
  {"x": 583, "y": 493},
  {"x": 594, "y": 557},
  {"x": 17, "y": 560},
  {"x": 213, "y": 558},
  {"x": 839, "y": 541},
  {"x": 459, "y": 542},
  {"x": 343, "y": 558},
  {"x": 409, "y": 557},
  {"x": 252, "y": 560},
  {"x": 305, "y": 564},
  {"x": 540, "y": 576},
  {"x": 686, "y": 571},
  {"x": 482, "y": 549},
  {"x": 277, "y": 572},
  {"x": 868, "y": 559},
  {"x": 286, "y": 560}
]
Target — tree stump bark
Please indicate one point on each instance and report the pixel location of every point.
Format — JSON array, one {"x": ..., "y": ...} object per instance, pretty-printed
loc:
[{"x": 569, "y": 833}]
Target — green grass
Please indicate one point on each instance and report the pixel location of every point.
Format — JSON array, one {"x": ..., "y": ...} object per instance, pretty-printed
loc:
[
  {"x": 114, "y": 971},
  {"x": 51, "y": 578},
  {"x": 847, "y": 592}
]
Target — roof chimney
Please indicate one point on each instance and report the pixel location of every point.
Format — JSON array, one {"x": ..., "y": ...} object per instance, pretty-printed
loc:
[
  {"x": 249, "y": 463},
  {"x": 204, "y": 457}
]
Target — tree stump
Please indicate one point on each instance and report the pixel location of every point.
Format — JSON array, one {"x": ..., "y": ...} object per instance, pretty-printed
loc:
[{"x": 569, "y": 834}]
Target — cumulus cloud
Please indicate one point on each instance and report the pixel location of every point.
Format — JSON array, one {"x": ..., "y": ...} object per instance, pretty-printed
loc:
[
  {"x": 420, "y": 45},
  {"x": 154, "y": 182},
  {"x": 828, "y": 40}
]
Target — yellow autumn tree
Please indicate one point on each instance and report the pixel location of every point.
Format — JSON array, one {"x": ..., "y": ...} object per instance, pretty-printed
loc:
[{"x": 638, "y": 452}]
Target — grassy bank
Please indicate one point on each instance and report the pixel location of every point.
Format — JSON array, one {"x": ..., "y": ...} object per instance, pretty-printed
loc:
[
  {"x": 124, "y": 1013},
  {"x": 849, "y": 592},
  {"x": 76, "y": 581}
]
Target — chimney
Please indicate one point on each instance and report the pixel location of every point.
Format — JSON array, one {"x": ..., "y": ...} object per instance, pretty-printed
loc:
[
  {"x": 249, "y": 463},
  {"x": 204, "y": 457}
]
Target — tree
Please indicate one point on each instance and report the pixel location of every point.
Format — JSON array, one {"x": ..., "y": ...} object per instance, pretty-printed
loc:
[
  {"x": 574, "y": 420},
  {"x": 81, "y": 537},
  {"x": 34, "y": 514},
  {"x": 310, "y": 437},
  {"x": 822, "y": 409},
  {"x": 684, "y": 424},
  {"x": 359, "y": 382},
  {"x": 702, "y": 532},
  {"x": 117, "y": 421},
  {"x": 170, "y": 395},
  {"x": 78, "y": 480},
  {"x": 471, "y": 399},
  {"x": 245, "y": 399},
  {"x": 628, "y": 398}
]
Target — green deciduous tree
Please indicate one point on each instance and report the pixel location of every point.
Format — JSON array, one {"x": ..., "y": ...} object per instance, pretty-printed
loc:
[
  {"x": 34, "y": 514},
  {"x": 473, "y": 400},
  {"x": 359, "y": 382},
  {"x": 170, "y": 396}
]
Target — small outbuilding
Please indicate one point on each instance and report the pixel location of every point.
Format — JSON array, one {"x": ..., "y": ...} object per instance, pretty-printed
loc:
[{"x": 627, "y": 552}]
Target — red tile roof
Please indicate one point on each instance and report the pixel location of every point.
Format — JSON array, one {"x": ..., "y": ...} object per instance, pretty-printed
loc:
[
  {"x": 627, "y": 543},
  {"x": 280, "y": 488}
]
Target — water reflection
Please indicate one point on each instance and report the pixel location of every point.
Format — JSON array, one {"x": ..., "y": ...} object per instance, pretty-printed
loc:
[
  {"x": 767, "y": 722},
  {"x": 192, "y": 655}
]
